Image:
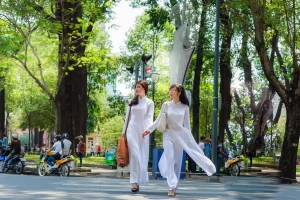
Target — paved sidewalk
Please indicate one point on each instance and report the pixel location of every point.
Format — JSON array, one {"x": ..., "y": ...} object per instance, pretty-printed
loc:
[
  {"x": 113, "y": 173},
  {"x": 78, "y": 188}
]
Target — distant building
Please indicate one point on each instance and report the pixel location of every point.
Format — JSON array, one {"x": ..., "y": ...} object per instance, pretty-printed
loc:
[
  {"x": 38, "y": 138},
  {"x": 93, "y": 139}
]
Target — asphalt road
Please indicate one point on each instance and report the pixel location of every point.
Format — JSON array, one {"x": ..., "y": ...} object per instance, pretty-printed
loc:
[{"x": 81, "y": 188}]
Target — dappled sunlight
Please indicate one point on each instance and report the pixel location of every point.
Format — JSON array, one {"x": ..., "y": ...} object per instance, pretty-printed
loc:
[{"x": 48, "y": 188}]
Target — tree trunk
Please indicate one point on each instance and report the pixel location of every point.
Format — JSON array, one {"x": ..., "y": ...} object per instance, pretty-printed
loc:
[
  {"x": 245, "y": 64},
  {"x": 29, "y": 132},
  {"x": 225, "y": 72},
  {"x": 197, "y": 75},
  {"x": 2, "y": 112},
  {"x": 242, "y": 121},
  {"x": 262, "y": 114},
  {"x": 36, "y": 137},
  {"x": 41, "y": 138},
  {"x": 71, "y": 98},
  {"x": 230, "y": 138},
  {"x": 290, "y": 97},
  {"x": 287, "y": 163}
]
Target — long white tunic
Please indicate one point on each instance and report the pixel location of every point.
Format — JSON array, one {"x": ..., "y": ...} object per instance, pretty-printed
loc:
[
  {"x": 176, "y": 139},
  {"x": 140, "y": 118}
]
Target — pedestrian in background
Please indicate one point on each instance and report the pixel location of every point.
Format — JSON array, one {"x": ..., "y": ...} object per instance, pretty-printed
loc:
[
  {"x": 4, "y": 142},
  {"x": 202, "y": 143},
  {"x": 208, "y": 148},
  {"x": 92, "y": 150},
  {"x": 80, "y": 149},
  {"x": 43, "y": 151},
  {"x": 98, "y": 150},
  {"x": 220, "y": 154}
]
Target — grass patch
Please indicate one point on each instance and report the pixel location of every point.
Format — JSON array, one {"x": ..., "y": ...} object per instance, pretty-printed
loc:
[
  {"x": 270, "y": 161},
  {"x": 32, "y": 157},
  {"x": 85, "y": 160},
  {"x": 263, "y": 160},
  {"x": 93, "y": 160}
]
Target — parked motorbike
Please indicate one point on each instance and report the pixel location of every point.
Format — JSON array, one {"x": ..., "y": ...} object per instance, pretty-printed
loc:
[
  {"x": 17, "y": 162},
  {"x": 62, "y": 169},
  {"x": 233, "y": 166}
]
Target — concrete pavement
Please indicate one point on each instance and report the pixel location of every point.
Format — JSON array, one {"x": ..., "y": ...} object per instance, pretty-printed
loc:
[{"x": 54, "y": 187}]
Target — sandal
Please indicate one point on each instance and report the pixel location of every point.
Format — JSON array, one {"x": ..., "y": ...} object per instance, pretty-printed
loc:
[
  {"x": 171, "y": 193},
  {"x": 135, "y": 189}
]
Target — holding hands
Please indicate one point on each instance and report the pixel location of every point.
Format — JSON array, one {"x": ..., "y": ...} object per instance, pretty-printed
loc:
[{"x": 146, "y": 132}]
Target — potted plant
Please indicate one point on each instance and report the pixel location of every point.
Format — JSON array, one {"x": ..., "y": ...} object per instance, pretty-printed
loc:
[
  {"x": 244, "y": 163},
  {"x": 74, "y": 162}
]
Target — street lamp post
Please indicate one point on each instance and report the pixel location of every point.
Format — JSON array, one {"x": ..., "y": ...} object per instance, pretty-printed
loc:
[
  {"x": 216, "y": 90},
  {"x": 154, "y": 77}
]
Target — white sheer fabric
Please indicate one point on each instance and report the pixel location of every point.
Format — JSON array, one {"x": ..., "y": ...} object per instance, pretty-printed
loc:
[
  {"x": 176, "y": 139},
  {"x": 141, "y": 117},
  {"x": 180, "y": 57}
]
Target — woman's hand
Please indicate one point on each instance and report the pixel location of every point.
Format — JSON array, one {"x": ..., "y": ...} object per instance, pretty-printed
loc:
[{"x": 146, "y": 132}]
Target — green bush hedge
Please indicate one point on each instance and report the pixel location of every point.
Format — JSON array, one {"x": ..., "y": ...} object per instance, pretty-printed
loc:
[{"x": 33, "y": 153}]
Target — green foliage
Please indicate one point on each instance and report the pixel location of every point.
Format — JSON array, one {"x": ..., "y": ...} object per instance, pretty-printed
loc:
[
  {"x": 264, "y": 160},
  {"x": 111, "y": 130},
  {"x": 117, "y": 106},
  {"x": 102, "y": 70},
  {"x": 147, "y": 3},
  {"x": 158, "y": 16}
]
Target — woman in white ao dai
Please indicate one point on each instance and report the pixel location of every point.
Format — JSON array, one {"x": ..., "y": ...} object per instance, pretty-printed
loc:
[
  {"x": 141, "y": 117},
  {"x": 177, "y": 138}
]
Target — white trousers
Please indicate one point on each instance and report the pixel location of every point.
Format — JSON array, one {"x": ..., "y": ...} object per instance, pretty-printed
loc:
[
  {"x": 134, "y": 168},
  {"x": 173, "y": 153},
  {"x": 174, "y": 143},
  {"x": 138, "y": 158}
]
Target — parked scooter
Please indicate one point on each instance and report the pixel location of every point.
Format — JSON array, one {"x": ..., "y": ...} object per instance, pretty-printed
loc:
[
  {"x": 17, "y": 162},
  {"x": 63, "y": 166},
  {"x": 233, "y": 166}
]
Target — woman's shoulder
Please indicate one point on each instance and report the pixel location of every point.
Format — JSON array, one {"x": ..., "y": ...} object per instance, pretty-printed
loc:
[
  {"x": 149, "y": 101},
  {"x": 166, "y": 103}
]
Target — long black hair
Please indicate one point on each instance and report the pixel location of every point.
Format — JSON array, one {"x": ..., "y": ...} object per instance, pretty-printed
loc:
[
  {"x": 183, "y": 98},
  {"x": 135, "y": 100}
]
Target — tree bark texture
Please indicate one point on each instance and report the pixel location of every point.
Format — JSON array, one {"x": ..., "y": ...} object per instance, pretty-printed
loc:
[
  {"x": 291, "y": 98},
  {"x": 242, "y": 120},
  {"x": 2, "y": 112},
  {"x": 230, "y": 138},
  {"x": 71, "y": 97},
  {"x": 36, "y": 137},
  {"x": 29, "y": 132},
  {"x": 263, "y": 113},
  {"x": 225, "y": 71},
  {"x": 197, "y": 74},
  {"x": 287, "y": 163}
]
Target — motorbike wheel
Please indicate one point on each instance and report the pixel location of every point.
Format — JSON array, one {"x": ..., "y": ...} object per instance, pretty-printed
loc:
[
  {"x": 64, "y": 170},
  {"x": 42, "y": 169},
  {"x": 1, "y": 164},
  {"x": 235, "y": 170},
  {"x": 19, "y": 166},
  {"x": 6, "y": 168}
]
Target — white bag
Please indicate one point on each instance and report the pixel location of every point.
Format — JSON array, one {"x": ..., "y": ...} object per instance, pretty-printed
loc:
[{"x": 162, "y": 126}]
